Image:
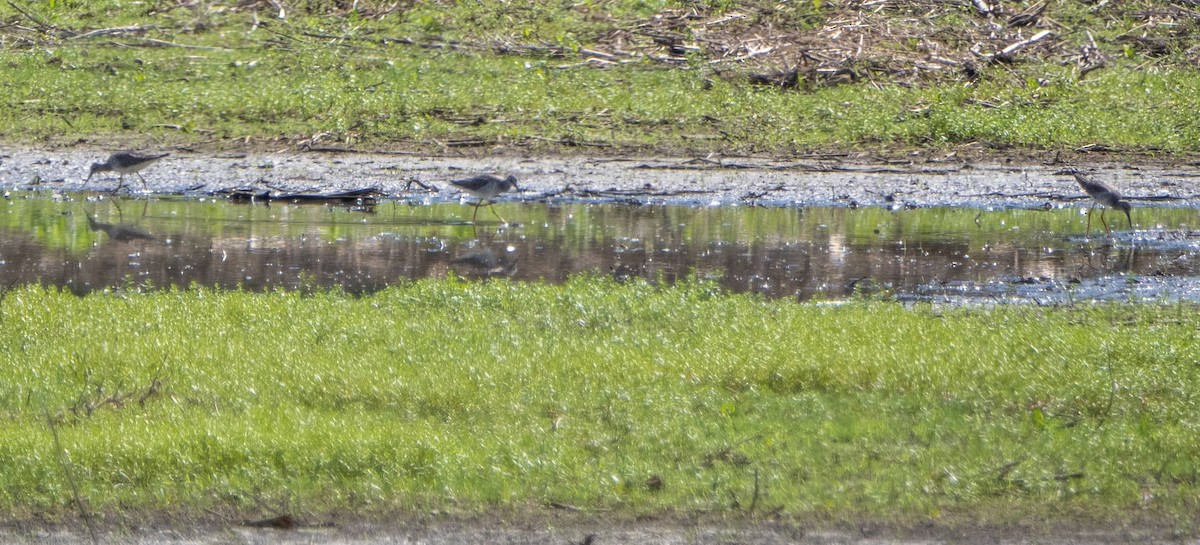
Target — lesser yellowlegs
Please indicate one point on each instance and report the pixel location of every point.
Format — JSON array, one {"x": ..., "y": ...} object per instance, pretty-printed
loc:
[
  {"x": 486, "y": 187},
  {"x": 125, "y": 162},
  {"x": 1101, "y": 193}
]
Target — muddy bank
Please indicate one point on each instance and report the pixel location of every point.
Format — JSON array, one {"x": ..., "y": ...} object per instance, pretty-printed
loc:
[
  {"x": 918, "y": 181},
  {"x": 557, "y": 530}
]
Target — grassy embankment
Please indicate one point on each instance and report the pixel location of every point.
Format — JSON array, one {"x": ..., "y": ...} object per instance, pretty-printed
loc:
[
  {"x": 470, "y": 397},
  {"x": 500, "y": 396},
  {"x": 612, "y": 75}
]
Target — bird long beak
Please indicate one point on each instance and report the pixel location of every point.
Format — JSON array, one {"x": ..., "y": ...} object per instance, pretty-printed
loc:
[
  {"x": 1130, "y": 218},
  {"x": 89, "y": 178}
]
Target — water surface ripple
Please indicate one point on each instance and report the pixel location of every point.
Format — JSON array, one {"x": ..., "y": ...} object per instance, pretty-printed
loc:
[{"x": 939, "y": 254}]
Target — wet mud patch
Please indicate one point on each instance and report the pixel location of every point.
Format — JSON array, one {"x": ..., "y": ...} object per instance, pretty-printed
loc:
[
  {"x": 943, "y": 180},
  {"x": 582, "y": 529}
]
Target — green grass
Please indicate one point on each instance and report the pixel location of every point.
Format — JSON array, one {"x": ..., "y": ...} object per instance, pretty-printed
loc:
[
  {"x": 511, "y": 74},
  {"x": 475, "y": 397}
]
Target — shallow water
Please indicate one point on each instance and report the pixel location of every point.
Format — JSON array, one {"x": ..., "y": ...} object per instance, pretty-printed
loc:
[{"x": 939, "y": 254}]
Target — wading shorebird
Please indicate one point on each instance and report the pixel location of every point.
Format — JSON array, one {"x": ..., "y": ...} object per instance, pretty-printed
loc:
[
  {"x": 125, "y": 162},
  {"x": 486, "y": 187},
  {"x": 1101, "y": 193}
]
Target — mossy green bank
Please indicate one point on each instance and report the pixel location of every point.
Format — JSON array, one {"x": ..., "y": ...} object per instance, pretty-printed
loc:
[
  {"x": 626, "y": 398},
  {"x": 557, "y": 76}
]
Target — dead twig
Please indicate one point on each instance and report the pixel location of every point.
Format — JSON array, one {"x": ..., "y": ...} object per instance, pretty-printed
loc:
[
  {"x": 982, "y": 7},
  {"x": 408, "y": 185},
  {"x": 278, "y": 522},
  {"x": 754, "y": 499},
  {"x": 1028, "y": 17},
  {"x": 66, "y": 465},
  {"x": 46, "y": 27},
  {"x": 1090, "y": 57},
  {"x": 151, "y": 42},
  {"x": 115, "y": 31}
]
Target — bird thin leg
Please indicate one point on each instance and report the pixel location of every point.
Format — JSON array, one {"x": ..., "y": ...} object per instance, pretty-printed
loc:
[
  {"x": 476, "y": 211},
  {"x": 1089, "y": 222},
  {"x": 502, "y": 220},
  {"x": 1105, "y": 224},
  {"x": 120, "y": 183},
  {"x": 143, "y": 181}
]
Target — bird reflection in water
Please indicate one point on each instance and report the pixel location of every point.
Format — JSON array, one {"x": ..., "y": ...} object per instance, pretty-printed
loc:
[
  {"x": 485, "y": 262},
  {"x": 119, "y": 231}
]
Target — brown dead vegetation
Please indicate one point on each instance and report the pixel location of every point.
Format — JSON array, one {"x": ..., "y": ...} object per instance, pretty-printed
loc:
[
  {"x": 904, "y": 41},
  {"x": 828, "y": 43},
  {"x": 791, "y": 45}
]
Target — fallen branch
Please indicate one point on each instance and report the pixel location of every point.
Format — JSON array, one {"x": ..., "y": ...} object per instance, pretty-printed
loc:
[
  {"x": 1007, "y": 54},
  {"x": 151, "y": 42},
  {"x": 745, "y": 57},
  {"x": 360, "y": 197},
  {"x": 115, "y": 31}
]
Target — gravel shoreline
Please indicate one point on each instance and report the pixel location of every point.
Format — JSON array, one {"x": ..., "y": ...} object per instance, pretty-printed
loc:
[{"x": 820, "y": 181}]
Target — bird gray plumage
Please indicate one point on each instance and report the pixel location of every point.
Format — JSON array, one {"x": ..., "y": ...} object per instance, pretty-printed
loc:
[
  {"x": 486, "y": 187},
  {"x": 125, "y": 162},
  {"x": 1101, "y": 193}
]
